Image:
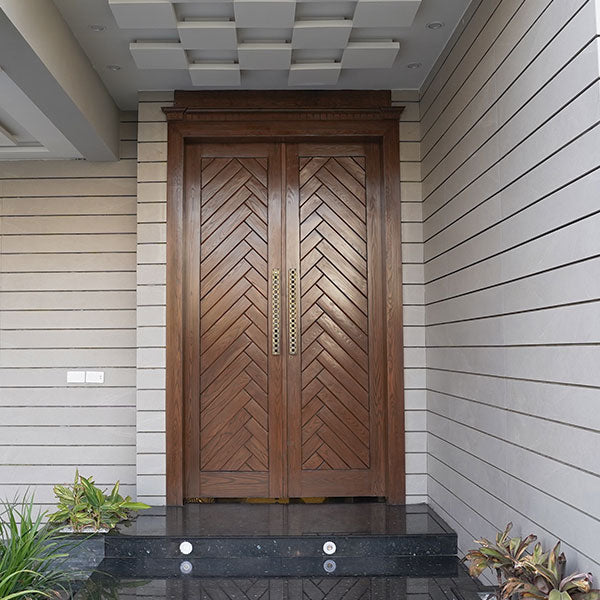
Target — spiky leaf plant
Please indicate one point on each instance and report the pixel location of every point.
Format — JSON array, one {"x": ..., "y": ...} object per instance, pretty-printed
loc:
[{"x": 31, "y": 554}]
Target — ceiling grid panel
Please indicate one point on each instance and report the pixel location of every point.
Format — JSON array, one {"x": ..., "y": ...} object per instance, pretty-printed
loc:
[{"x": 220, "y": 43}]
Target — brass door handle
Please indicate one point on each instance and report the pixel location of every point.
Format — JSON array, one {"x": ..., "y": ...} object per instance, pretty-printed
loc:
[
  {"x": 275, "y": 312},
  {"x": 293, "y": 311}
]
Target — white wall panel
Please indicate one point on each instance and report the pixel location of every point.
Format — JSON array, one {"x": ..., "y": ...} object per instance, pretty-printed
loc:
[{"x": 510, "y": 159}]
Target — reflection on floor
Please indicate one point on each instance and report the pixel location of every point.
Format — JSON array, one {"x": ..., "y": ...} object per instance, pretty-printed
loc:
[
  {"x": 259, "y": 520},
  {"x": 105, "y": 586}
]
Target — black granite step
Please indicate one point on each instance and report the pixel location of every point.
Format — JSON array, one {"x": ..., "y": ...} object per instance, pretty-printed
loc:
[
  {"x": 275, "y": 552},
  {"x": 361, "y": 532},
  {"x": 280, "y": 547}
]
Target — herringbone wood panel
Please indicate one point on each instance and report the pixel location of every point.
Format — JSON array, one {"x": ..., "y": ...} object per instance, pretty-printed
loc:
[
  {"x": 330, "y": 588},
  {"x": 234, "y": 312},
  {"x": 334, "y": 303},
  {"x": 336, "y": 589},
  {"x": 234, "y": 589}
]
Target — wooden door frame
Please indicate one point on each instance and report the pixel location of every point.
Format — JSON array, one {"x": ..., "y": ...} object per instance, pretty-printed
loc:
[{"x": 284, "y": 116}]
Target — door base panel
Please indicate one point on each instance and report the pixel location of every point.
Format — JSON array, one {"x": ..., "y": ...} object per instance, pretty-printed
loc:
[
  {"x": 238, "y": 485},
  {"x": 316, "y": 500}
]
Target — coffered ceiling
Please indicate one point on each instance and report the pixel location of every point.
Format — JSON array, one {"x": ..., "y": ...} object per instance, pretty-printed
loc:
[
  {"x": 217, "y": 42},
  {"x": 260, "y": 44}
]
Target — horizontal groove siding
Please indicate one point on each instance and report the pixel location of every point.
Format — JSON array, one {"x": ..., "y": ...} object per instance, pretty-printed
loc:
[
  {"x": 412, "y": 289},
  {"x": 510, "y": 177},
  {"x": 151, "y": 296},
  {"x": 67, "y": 302}
]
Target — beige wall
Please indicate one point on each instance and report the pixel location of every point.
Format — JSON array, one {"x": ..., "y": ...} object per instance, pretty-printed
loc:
[
  {"x": 152, "y": 150},
  {"x": 151, "y": 296},
  {"x": 413, "y": 297},
  {"x": 510, "y": 155},
  {"x": 67, "y": 301}
]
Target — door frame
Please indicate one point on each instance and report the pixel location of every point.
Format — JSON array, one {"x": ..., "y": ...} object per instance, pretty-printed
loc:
[{"x": 285, "y": 116}]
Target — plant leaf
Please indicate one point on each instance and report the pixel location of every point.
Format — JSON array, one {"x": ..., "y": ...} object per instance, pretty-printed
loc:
[{"x": 135, "y": 506}]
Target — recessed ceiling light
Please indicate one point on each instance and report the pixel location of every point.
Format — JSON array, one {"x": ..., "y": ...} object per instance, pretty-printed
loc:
[
  {"x": 97, "y": 27},
  {"x": 415, "y": 65},
  {"x": 113, "y": 67},
  {"x": 435, "y": 25}
]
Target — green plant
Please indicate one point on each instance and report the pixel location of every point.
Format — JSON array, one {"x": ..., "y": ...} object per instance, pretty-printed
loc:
[
  {"x": 31, "y": 554},
  {"x": 84, "y": 505},
  {"x": 525, "y": 574}
]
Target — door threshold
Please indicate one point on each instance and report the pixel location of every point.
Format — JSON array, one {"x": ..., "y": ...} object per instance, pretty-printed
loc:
[{"x": 344, "y": 500}]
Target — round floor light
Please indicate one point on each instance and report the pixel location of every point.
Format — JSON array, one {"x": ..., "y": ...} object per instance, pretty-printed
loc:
[
  {"x": 329, "y": 548},
  {"x": 185, "y": 548}
]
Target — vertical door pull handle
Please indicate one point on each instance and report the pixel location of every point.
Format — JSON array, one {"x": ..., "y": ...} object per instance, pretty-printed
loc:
[
  {"x": 293, "y": 310},
  {"x": 276, "y": 312}
]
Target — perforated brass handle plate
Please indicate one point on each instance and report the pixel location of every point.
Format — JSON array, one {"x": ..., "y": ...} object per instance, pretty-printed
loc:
[
  {"x": 293, "y": 310},
  {"x": 276, "y": 312}
]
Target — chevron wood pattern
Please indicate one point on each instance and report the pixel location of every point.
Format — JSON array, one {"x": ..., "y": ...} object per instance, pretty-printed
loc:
[
  {"x": 328, "y": 588},
  {"x": 264, "y": 423},
  {"x": 233, "y": 589},
  {"x": 233, "y": 315},
  {"x": 334, "y": 306}
]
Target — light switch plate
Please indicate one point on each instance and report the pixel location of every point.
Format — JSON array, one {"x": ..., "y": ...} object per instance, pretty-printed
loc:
[
  {"x": 94, "y": 376},
  {"x": 75, "y": 376}
]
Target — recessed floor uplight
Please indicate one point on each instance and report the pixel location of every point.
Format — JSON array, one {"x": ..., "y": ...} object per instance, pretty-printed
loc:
[
  {"x": 97, "y": 27},
  {"x": 415, "y": 65},
  {"x": 435, "y": 25},
  {"x": 113, "y": 67}
]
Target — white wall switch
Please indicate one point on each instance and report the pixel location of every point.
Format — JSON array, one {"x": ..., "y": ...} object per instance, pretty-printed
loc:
[
  {"x": 75, "y": 376},
  {"x": 94, "y": 376}
]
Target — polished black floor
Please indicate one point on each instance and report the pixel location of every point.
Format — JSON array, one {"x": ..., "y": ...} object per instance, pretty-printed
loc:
[
  {"x": 261, "y": 520},
  {"x": 316, "y": 587}
]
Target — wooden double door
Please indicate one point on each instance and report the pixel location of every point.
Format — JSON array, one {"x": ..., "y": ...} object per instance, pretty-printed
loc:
[{"x": 283, "y": 320}]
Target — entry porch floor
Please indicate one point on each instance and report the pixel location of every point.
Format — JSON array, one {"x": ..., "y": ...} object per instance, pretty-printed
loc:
[{"x": 271, "y": 551}]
